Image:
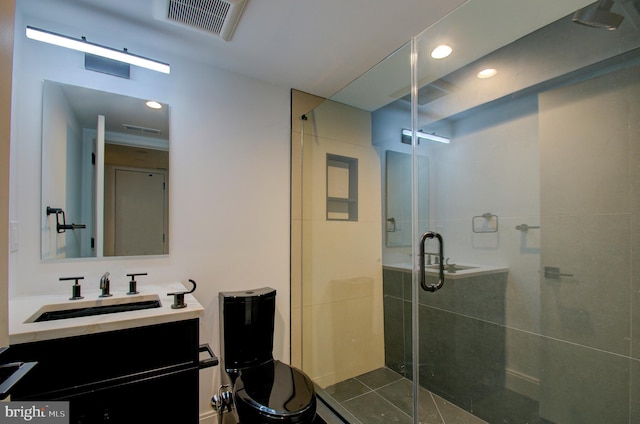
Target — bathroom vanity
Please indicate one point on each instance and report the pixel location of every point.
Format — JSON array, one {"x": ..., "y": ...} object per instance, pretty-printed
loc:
[{"x": 109, "y": 366}]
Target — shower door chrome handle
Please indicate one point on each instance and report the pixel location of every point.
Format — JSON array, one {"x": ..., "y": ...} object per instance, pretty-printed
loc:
[{"x": 423, "y": 272}]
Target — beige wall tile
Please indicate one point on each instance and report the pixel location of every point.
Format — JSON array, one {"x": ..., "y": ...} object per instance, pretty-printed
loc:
[{"x": 339, "y": 281}]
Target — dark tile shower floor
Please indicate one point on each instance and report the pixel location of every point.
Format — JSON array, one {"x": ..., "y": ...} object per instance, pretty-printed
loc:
[{"x": 384, "y": 396}]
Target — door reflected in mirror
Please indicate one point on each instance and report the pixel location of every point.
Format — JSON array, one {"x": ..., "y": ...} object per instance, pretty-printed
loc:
[{"x": 105, "y": 170}]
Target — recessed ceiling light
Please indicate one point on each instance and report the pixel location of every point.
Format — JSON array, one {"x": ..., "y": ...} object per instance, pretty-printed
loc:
[
  {"x": 487, "y": 73},
  {"x": 441, "y": 51},
  {"x": 153, "y": 104}
]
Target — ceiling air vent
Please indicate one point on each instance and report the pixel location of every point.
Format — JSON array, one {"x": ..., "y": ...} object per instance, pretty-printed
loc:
[
  {"x": 217, "y": 17},
  {"x": 143, "y": 130}
]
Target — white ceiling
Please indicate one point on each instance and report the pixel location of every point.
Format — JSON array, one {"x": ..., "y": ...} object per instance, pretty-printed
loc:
[
  {"x": 474, "y": 29},
  {"x": 314, "y": 46},
  {"x": 319, "y": 47}
]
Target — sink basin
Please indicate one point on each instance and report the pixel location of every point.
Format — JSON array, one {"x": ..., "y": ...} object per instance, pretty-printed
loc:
[
  {"x": 76, "y": 309},
  {"x": 456, "y": 267}
]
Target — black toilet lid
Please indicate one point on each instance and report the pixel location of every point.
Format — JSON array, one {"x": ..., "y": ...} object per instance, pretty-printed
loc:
[{"x": 276, "y": 389}]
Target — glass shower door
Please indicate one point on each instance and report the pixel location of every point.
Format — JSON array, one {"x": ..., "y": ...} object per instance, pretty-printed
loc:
[
  {"x": 536, "y": 196},
  {"x": 352, "y": 226}
]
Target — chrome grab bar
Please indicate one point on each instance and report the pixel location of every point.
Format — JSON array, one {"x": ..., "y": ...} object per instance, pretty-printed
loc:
[{"x": 423, "y": 272}]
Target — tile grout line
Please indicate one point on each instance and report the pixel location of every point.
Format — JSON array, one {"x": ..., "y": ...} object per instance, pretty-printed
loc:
[
  {"x": 437, "y": 408},
  {"x": 372, "y": 390},
  {"x": 358, "y": 395},
  {"x": 380, "y": 387},
  {"x": 393, "y": 404}
]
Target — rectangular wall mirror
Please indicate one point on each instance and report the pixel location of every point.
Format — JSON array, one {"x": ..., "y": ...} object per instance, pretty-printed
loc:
[
  {"x": 105, "y": 170},
  {"x": 398, "y": 197}
]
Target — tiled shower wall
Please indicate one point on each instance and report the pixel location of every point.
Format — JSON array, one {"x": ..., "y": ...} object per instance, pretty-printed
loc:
[
  {"x": 462, "y": 338},
  {"x": 590, "y": 203}
]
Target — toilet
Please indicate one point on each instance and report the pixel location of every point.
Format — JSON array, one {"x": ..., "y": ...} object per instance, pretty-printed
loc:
[{"x": 264, "y": 390}]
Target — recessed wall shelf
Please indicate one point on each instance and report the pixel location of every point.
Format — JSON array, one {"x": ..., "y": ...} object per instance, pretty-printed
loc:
[{"x": 342, "y": 188}]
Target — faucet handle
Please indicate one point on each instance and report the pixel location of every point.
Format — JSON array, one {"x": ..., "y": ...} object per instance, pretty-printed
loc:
[
  {"x": 75, "y": 289},
  {"x": 133, "y": 282},
  {"x": 178, "y": 297}
]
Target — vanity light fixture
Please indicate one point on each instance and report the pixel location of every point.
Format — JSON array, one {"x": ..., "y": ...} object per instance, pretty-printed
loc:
[
  {"x": 441, "y": 51},
  {"x": 84, "y": 46},
  {"x": 427, "y": 136},
  {"x": 487, "y": 73},
  {"x": 153, "y": 104}
]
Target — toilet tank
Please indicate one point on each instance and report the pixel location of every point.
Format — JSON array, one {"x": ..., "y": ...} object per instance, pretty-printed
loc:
[{"x": 246, "y": 327}]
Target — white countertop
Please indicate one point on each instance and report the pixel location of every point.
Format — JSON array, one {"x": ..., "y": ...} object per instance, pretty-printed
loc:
[
  {"x": 22, "y": 308},
  {"x": 473, "y": 271}
]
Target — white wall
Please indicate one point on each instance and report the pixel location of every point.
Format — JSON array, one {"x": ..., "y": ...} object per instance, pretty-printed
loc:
[{"x": 229, "y": 181}]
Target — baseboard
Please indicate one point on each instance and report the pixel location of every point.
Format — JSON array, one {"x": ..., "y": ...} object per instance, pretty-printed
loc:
[
  {"x": 521, "y": 383},
  {"x": 325, "y": 380},
  {"x": 208, "y": 418}
]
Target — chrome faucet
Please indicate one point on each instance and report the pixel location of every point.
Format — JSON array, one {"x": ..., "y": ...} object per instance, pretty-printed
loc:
[{"x": 104, "y": 285}]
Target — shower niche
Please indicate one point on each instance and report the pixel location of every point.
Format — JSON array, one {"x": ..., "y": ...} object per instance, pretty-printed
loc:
[{"x": 342, "y": 188}]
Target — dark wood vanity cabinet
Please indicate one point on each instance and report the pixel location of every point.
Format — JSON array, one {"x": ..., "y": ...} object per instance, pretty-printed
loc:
[{"x": 142, "y": 374}]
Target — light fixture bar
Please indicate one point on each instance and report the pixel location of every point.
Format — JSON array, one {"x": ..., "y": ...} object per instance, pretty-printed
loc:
[
  {"x": 96, "y": 49},
  {"x": 427, "y": 136}
]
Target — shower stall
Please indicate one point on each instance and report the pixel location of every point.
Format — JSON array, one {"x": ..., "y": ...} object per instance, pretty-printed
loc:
[{"x": 521, "y": 150}]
